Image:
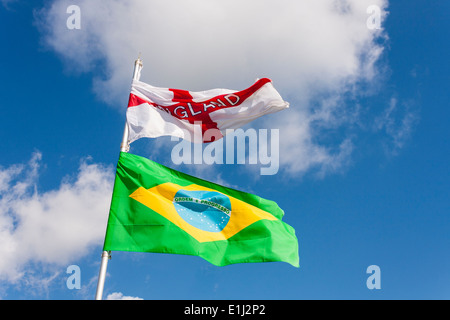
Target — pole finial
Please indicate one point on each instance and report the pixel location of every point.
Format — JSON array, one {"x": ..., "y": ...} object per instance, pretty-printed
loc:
[
  {"x": 137, "y": 68},
  {"x": 139, "y": 60}
]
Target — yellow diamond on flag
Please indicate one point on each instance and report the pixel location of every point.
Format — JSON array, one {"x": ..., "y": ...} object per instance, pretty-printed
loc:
[{"x": 204, "y": 213}]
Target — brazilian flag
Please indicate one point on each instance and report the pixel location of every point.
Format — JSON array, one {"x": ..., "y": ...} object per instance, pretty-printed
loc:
[{"x": 158, "y": 209}]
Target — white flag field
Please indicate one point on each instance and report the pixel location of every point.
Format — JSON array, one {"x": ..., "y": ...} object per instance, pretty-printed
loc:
[{"x": 202, "y": 116}]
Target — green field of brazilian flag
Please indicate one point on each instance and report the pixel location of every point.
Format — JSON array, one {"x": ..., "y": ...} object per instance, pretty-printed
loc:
[{"x": 161, "y": 210}]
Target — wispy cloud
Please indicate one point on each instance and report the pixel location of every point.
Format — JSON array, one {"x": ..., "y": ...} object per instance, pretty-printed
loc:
[
  {"x": 120, "y": 296},
  {"x": 51, "y": 227},
  {"x": 6, "y": 3},
  {"x": 397, "y": 121}
]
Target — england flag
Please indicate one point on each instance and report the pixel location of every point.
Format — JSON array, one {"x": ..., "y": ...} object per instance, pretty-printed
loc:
[{"x": 197, "y": 116}]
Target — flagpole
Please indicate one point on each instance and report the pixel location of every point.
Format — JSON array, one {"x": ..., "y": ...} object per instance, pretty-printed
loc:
[{"x": 124, "y": 147}]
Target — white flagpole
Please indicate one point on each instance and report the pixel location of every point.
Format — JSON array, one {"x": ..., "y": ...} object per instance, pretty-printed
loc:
[{"x": 124, "y": 147}]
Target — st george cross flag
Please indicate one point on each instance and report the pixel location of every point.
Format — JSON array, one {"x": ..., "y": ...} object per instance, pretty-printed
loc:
[{"x": 197, "y": 116}]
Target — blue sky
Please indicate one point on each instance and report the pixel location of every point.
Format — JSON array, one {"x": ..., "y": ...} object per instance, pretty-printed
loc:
[{"x": 364, "y": 147}]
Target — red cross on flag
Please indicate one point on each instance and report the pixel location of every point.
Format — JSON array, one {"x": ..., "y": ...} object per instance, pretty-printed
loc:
[{"x": 197, "y": 116}]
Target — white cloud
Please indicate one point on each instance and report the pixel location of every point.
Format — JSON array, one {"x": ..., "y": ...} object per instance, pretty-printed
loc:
[
  {"x": 52, "y": 227},
  {"x": 120, "y": 296},
  {"x": 303, "y": 46},
  {"x": 310, "y": 49}
]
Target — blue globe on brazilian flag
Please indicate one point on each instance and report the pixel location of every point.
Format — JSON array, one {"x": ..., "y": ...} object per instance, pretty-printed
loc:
[{"x": 161, "y": 210}]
